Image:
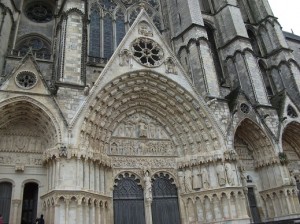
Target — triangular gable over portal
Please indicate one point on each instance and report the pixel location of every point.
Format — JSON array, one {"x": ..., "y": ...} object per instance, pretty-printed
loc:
[
  {"x": 143, "y": 49},
  {"x": 26, "y": 77}
]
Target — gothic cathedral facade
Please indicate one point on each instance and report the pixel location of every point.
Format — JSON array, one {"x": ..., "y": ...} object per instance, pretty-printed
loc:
[{"x": 148, "y": 112}]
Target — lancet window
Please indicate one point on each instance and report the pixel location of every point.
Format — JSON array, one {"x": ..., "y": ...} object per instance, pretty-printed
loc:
[{"x": 110, "y": 19}]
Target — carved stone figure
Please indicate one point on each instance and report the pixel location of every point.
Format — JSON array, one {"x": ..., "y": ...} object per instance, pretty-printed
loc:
[
  {"x": 170, "y": 66},
  {"x": 229, "y": 174},
  {"x": 293, "y": 180},
  {"x": 205, "y": 178},
  {"x": 21, "y": 142},
  {"x": 144, "y": 29},
  {"x": 142, "y": 129},
  {"x": 148, "y": 187},
  {"x": 221, "y": 175},
  {"x": 243, "y": 178},
  {"x": 125, "y": 58},
  {"x": 188, "y": 180},
  {"x": 181, "y": 181},
  {"x": 196, "y": 179}
]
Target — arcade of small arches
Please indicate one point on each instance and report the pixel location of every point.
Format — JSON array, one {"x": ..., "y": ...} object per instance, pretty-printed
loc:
[
  {"x": 206, "y": 205},
  {"x": 203, "y": 185}
]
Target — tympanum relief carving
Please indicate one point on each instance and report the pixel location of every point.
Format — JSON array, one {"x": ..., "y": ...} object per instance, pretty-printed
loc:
[
  {"x": 20, "y": 159},
  {"x": 245, "y": 155},
  {"x": 20, "y": 143},
  {"x": 292, "y": 155},
  {"x": 140, "y": 135}
]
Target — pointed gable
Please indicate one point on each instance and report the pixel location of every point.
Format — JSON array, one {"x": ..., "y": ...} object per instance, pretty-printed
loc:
[
  {"x": 143, "y": 48},
  {"x": 26, "y": 77}
]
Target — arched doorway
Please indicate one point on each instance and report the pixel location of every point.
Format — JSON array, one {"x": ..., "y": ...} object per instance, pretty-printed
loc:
[
  {"x": 291, "y": 147},
  {"x": 128, "y": 198},
  {"x": 165, "y": 208},
  {"x": 254, "y": 148},
  {"x": 29, "y": 205},
  {"x": 5, "y": 200}
]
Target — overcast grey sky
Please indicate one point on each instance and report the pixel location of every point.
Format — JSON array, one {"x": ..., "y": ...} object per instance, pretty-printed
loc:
[{"x": 288, "y": 13}]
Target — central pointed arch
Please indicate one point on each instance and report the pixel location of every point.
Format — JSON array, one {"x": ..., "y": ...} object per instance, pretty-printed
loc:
[{"x": 187, "y": 124}]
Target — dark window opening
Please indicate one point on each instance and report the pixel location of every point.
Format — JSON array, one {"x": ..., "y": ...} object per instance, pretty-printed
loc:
[
  {"x": 215, "y": 55},
  {"x": 205, "y": 7},
  {"x": 5, "y": 200},
  {"x": 266, "y": 79},
  {"x": 29, "y": 205},
  {"x": 254, "y": 43}
]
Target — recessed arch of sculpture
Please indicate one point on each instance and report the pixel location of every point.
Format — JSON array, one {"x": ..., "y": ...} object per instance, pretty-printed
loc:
[
  {"x": 26, "y": 127},
  {"x": 291, "y": 145},
  {"x": 192, "y": 128},
  {"x": 254, "y": 142}
]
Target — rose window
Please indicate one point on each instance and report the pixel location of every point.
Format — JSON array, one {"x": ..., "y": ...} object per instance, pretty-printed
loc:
[
  {"x": 147, "y": 52},
  {"x": 39, "y": 12},
  {"x": 245, "y": 108},
  {"x": 26, "y": 80}
]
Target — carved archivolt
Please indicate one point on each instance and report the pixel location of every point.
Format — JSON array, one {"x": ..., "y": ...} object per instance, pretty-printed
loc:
[
  {"x": 25, "y": 127},
  {"x": 157, "y": 98},
  {"x": 251, "y": 136}
]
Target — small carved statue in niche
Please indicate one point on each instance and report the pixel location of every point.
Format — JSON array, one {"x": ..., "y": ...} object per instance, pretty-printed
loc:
[
  {"x": 170, "y": 66},
  {"x": 221, "y": 175},
  {"x": 142, "y": 129},
  {"x": 125, "y": 58},
  {"x": 243, "y": 177},
  {"x": 144, "y": 29},
  {"x": 205, "y": 178},
  {"x": 114, "y": 148},
  {"x": 188, "y": 180},
  {"x": 181, "y": 181},
  {"x": 148, "y": 187},
  {"x": 293, "y": 179},
  {"x": 86, "y": 90},
  {"x": 196, "y": 179},
  {"x": 21, "y": 142},
  {"x": 229, "y": 174}
]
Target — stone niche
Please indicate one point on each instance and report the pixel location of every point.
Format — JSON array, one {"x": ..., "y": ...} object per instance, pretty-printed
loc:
[{"x": 141, "y": 135}]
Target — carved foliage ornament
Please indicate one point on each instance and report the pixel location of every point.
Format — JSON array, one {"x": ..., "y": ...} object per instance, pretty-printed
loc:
[{"x": 147, "y": 52}]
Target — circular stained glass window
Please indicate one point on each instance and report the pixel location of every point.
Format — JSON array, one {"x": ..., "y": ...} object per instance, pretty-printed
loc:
[
  {"x": 147, "y": 52},
  {"x": 39, "y": 12},
  {"x": 26, "y": 80}
]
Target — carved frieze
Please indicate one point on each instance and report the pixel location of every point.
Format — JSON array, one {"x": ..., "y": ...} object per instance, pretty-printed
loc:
[
  {"x": 140, "y": 135},
  {"x": 20, "y": 143},
  {"x": 21, "y": 159},
  {"x": 121, "y": 162}
]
